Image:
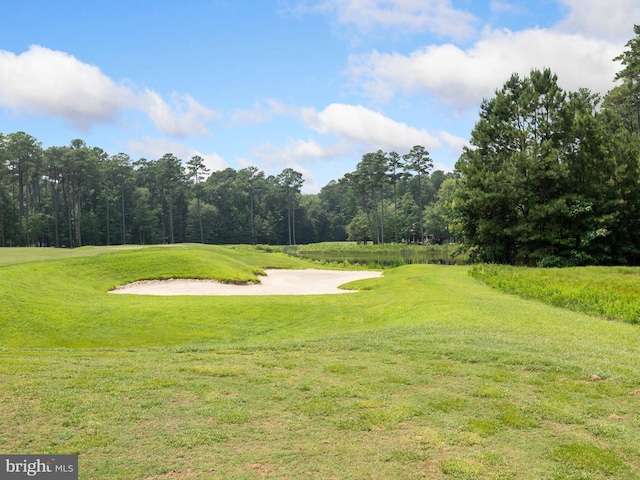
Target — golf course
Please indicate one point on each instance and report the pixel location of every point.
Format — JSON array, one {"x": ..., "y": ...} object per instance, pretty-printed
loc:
[{"x": 420, "y": 372}]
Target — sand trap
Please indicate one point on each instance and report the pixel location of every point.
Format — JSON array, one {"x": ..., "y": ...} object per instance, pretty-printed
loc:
[{"x": 277, "y": 282}]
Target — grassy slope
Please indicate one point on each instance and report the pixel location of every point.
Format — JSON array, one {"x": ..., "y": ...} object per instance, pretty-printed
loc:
[
  {"x": 15, "y": 255},
  {"x": 426, "y": 373}
]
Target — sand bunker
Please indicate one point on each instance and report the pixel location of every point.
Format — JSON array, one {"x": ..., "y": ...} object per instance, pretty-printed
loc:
[{"x": 277, "y": 282}]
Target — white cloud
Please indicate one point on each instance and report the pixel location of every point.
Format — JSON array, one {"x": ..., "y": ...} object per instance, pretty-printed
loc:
[
  {"x": 49, "y": 83},
  {"x": 183, "y": 117},
  {"x": 44, "y": 82},
  {"x": 260, "y": 113},
  {"x": 463, "y": 77},
  {"x": 298, "y": 151},
  {"x": 613, "y": 19},
  {"x": 365, "y": 127},
  {"x": 436, "y": 16},
  {"x": 505, "y": 7},
  {"x": 454, "y": 143},
  {"x": 155, "y": 148}
]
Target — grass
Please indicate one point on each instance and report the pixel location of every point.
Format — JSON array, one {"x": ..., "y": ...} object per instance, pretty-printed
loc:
[
  {"x": 426, "y": 373},
  {"x": 610, "y": 292},
  {"x": 355, "y": 248},
  {"x": 15, "y": 255},
  {"x": 377, "y": 256}
]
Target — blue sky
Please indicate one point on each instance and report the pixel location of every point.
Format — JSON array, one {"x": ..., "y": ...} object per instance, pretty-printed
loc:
[{"x": 307, "y": 84}]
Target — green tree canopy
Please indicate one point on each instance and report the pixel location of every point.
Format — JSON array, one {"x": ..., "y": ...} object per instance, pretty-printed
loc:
[
  {"x": 542, "y": 180},
  {"x": 625, "y": 98}
]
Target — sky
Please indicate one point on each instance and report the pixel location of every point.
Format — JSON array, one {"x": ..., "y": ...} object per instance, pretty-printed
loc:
[{"x": 311, "y": 85}]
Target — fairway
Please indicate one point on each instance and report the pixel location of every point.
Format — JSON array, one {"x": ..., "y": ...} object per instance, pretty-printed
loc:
[{"x": 423, "y": 372}]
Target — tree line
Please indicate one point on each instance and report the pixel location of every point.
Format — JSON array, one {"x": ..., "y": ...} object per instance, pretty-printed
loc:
[{"x": 74, "y": 195}]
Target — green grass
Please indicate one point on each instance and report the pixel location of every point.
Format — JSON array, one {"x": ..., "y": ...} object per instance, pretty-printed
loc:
[
  {"x": 64, "y": 303},
  {"x": 377, "y": 256},
  {"x": 15, "y": 255},
  {"x": 610, "y": 292},
  {"x": 355, "y": 248},
  {"x": 426, "y": 373}
]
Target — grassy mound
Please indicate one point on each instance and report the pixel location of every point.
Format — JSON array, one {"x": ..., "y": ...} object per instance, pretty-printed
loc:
[{"x": 63, "y": 303}]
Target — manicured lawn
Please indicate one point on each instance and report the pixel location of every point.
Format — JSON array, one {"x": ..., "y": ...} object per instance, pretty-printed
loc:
[{"x": 425, "y": 373}]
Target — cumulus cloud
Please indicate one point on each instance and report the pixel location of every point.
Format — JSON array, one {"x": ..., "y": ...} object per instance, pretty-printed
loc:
[
  {"x": 261, "y": 112},
  {"x": 371, "y": 129},
  {"x": 155, "y": 148},
  {"x": 183, "y": 117},
  {"x": 612, "y": 20},
  {"x": 505, "y": 7},
  {"x": 464, "y": 76},
  {"x": 297, "y": 151},
  {"x": 453, "y": 143},
  {"x": 44, "y": 82},
  {"x": 436, "y": 16},
  {"x": 49, "y": 83}
]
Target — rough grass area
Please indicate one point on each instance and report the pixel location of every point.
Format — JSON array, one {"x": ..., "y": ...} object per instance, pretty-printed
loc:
[
  {"x": 610, "y": 292},
  {"x": 425, "y": 373},
  {"x": 352, "y": 248},
  {"x": 377, "y": 256}
]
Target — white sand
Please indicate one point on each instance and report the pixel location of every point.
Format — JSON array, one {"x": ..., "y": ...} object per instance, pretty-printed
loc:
[{"x": 277, "y": 282}]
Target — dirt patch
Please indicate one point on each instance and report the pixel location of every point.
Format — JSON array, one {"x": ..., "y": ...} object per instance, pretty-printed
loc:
[{"x": 276, "y": 282}]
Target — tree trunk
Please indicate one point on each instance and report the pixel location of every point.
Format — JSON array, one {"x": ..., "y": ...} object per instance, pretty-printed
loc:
[
  {"x": 78, "y": 221},
  {"x": 382, "y": 215},
  {"x": 26, "y": 222},
  {"x": 108, "y": 230},
  {"x": 253, "y": 230},
  {"x": 124, "y": 224},
  {"x": 293, "y": 218},
  {"x": 421, "y": 208},
  {"x": 395, "y": 212},
  {"x": 2, "y": 237},
  {"x": 171, "y": 235},
  {"x": 67, "y": 202},
  {"x": 375, "y": 215},
  {"x": 289, "y": 220},
  {"x": 21, "y": 207},
  {"x": 56, "y": 225},
  {"x": 366, "y": 211},
  {"x": 200, "y": 221}
]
